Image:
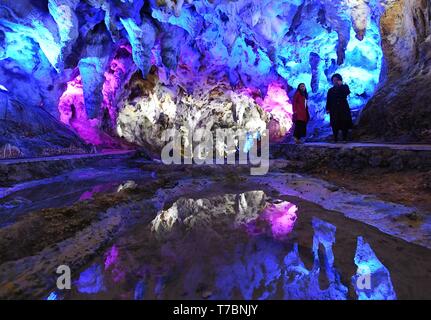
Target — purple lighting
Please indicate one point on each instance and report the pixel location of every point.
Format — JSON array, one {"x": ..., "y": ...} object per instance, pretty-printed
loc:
[
  {"x": 277, "y": 219},
  {"x": 115, "y": 77},
  {"x": 112, "y": 265},
  {"x": 72, "y": 104},
  {"x": 278, "y": 105},
  {"x": 73, "y": 113},
  {"x": 111, "y": 257},
  {"x": 281, "y": 217}
]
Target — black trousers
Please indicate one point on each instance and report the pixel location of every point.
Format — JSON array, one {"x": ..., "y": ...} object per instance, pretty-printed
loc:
[
  {"x": 300, "y": 129},
  {"x": 336, "y": 131}
]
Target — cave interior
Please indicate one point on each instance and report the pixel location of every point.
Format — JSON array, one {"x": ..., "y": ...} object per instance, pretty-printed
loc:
[{"x": 89, "y": 90}]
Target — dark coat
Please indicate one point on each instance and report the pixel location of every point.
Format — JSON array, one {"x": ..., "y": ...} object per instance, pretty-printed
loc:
[{"x": 338, "y": 107}]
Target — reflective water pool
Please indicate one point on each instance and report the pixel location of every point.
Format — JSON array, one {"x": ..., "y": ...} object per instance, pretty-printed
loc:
[
  {"x": 250, "y": 245},
  {"x": 64, "y": 190}
]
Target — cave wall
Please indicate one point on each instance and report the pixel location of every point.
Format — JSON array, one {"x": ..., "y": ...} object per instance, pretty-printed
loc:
[
  {"x": 401, "y": 109},
  {"x": 79, "y": 59},
  {"x": 27, "y": 131}
]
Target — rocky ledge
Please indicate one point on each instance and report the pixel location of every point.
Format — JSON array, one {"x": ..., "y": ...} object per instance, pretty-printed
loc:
[{"x": 355, "y": 157}]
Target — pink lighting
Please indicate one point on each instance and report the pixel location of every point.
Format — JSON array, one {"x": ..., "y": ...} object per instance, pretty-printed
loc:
[
  {"x": 281, "y": 217},
  {"x": 111, "y": 257},
  {"x": 73, "y": 113},
  {"x": 72, "y": 105},
  {"x": 96, "y": 189},
  {"x": 112, "y": 263},
  {"x": 277, "y": 219},
  {"x": 277, "y": 103}
]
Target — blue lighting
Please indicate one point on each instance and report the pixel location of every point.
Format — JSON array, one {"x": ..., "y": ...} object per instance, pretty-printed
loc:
[
  {"x": 372, "y": 280},
  {"x": 251, "y": 44},
  {"x": 91, "y": 280},
  {"x": 52, "y": 296},
  {"x": 141, "y": 38},
  {"x": 139, "y": 291},
  {"x": 21, "y": 42},
  {"x": 245, "y": 273},
  {"x": 250, "y": 137},
  {"x": 22, "y": 50}
]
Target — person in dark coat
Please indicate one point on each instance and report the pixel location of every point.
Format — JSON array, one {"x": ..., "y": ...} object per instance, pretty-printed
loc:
[
  {"x": 338, "y": 107},
  {"x": 300, "y": 112}
]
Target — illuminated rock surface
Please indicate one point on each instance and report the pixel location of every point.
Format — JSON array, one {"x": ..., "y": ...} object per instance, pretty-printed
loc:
[
  {"x": 144, "y": 120},
  {"x": 88, "y": 88},
  {"x": 400, "y": 110},
  {"x": 75, "y": 58}
]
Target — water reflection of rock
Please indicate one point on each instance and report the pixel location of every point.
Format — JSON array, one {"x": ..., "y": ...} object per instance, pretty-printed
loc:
[
  {"x": 190, "y": 213},
  {"x": 267, "y": 272},
  {"x": 372, "y": 280},
  {"x": 253, "y": 210},
  {"x": 233, "y": 246}
]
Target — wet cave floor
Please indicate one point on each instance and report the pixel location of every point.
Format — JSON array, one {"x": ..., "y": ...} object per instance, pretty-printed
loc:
[{"x": 146, "y": 231}]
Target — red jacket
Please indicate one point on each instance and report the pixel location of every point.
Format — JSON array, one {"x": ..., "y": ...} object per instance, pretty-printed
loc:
[{"x": 300, "y": 111}]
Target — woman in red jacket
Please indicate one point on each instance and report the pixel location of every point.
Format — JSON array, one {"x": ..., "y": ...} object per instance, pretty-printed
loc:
[{"x": 300, "y": 112}]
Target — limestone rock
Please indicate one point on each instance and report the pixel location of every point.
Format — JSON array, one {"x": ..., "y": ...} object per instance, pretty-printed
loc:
[
  {"x": 251, "y": 45},
  {"x": 32, "y": 131},
  {"x": 202, "y": 213},
  {"x": 401, "y": 110},
  {"x": 145, "y": 119}
]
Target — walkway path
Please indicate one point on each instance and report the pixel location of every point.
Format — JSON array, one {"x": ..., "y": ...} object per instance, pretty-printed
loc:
[
  {"x": 351, "y": 145},
  {"x": 67, "y": 157}
]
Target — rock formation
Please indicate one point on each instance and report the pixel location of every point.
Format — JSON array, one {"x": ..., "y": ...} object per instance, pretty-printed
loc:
[
  {"x": 76, "y": 58},
  {"x": 145, "y": 119},
  {"x": 26, "y": 131},
  {"x": 401, "y": 109}
]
